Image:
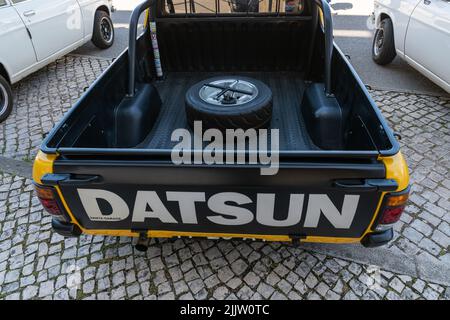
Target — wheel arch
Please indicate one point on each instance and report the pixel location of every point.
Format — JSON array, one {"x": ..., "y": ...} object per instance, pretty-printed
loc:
[
  {"x": 383, "y": 16},
  {"x": 103, "y": 8},
  {"x": 4, "y": 73}
]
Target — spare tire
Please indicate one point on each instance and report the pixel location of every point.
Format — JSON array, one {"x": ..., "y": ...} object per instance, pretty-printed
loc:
[{"x": 229, "y": 102}]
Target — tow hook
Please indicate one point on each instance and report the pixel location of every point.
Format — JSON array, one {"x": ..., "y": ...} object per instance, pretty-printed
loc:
[{"x": 142, "y": 242}]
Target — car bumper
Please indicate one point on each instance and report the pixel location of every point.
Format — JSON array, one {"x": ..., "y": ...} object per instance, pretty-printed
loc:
[
  {"x": 377, "y": 238},
  {"x": 65, "y": 229},
  {"x": 371, "y": 240}
]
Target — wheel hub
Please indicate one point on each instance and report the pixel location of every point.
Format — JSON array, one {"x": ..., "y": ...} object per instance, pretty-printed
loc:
[
  {"x": 228, "y": 92},
  {"x": 105, "y": 28},
  {"x": 379, "y": 41}
]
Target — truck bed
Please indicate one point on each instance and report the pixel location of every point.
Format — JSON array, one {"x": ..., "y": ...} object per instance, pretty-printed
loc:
[
  {"x": 287, "y": 90},
  {"x": 96, "y": 126}
]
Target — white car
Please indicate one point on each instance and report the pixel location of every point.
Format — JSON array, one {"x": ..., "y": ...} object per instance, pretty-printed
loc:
[
  {"x": 419, "y": 32},
  {"x": 34, "y": 33}
]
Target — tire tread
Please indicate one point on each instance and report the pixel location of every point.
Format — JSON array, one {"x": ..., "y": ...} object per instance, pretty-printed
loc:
[
  {"x": 387, "y": 53},
  {"x": 97, "y": 38}
]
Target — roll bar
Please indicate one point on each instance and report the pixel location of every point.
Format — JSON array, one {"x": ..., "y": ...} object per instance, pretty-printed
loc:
[
  {"x": 328, "y": 31},
  {"x": 134, "y": 20}
]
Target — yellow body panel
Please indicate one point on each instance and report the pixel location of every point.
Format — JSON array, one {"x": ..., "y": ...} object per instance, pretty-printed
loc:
[
  {"x": 146, "y": 19},
  {"x": 396, "y": 168},
  {"x": 42, "y": 164}
]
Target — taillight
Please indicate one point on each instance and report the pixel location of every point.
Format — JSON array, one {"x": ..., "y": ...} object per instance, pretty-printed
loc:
[
  {"x": 394, "y": 204},
  {"x": 48, "y": 198}
]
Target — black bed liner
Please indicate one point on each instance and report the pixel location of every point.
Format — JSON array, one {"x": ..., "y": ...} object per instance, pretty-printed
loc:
[
  {"x": 92, "y": 127},
  {"x": 287, "y": 90}
]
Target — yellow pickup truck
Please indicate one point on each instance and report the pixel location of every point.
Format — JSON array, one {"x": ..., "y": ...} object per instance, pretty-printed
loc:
[{"x": 107, "y": 167}]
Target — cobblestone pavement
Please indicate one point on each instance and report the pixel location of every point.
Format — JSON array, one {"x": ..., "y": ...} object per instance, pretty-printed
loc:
[
  {"x": 424, "y": 124},
  {"x": 41, "y": 100},
  {"x": 36, "y": 263}
]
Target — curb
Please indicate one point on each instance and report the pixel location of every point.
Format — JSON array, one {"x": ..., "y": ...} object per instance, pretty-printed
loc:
[
  {"x": 412, "y": 92},
  {"x": 90, "y": 56},
  {"x": 16, "y": 167},
  {"x": 419, "y": 266}
]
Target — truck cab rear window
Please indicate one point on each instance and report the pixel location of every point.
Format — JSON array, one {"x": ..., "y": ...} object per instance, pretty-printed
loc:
[{"x": 233, "y": 7}]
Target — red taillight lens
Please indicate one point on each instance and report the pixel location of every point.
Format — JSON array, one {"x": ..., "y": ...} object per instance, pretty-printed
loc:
[
  {"x": 394, "y": 206},
  {"x": 51, "y": 207},
  {"x": 47, "y": 197},
  {"x": 391, "y": 215}
]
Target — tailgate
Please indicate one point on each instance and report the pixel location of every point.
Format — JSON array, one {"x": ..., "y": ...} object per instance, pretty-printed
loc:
[{"x": 303, "y": 199}]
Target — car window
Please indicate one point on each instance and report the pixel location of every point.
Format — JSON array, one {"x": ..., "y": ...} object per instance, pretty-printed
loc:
[
  {"x": 226, "y": 7},
  {"x": 17, "y": 1},
  {"x": 2, "y": 3}
]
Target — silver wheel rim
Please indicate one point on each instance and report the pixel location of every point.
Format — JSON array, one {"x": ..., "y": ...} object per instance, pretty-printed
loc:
[
  {"x": 228, "y": 92},
  {"x": 3, "y": 99},
  {"x": 106, "y": 30},
  {"x": 379, "y": 40}
]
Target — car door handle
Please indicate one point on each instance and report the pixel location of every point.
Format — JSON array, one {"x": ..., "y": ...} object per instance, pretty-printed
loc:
[
  {"x": 29, "y": 13},
  {"x": 427, "y": 2}
]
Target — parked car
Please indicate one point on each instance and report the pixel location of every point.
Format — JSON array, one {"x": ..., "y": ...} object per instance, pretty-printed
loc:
[
  {"x": 34, "y": 33},
  {"x": 419, "y": 32},
  {"x": 108, "y": 167}
]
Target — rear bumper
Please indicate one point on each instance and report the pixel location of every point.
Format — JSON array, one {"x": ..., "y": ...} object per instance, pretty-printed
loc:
[
  {"x": 65, "y": 229},
  {"x": 373, "y": 239},
  {"x": 377, "y": 238}
]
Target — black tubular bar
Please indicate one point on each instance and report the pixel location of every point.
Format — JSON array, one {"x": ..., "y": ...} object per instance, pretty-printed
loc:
[
  {"x": 134, "y": 20},
  {"x": 170, "y": 6},
  {"x": 192, "y": 5},
  {"x": 328, "y": 31},
  {"x": 314, "y": 20}
]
